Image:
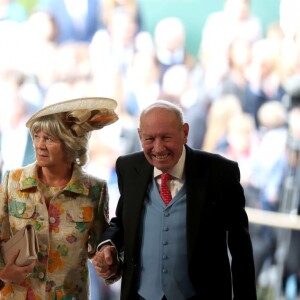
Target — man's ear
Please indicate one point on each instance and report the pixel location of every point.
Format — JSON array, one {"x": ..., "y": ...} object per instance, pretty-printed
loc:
[
  {"x": 186, "y": 129},
  {"x": 139, "y": 133}
]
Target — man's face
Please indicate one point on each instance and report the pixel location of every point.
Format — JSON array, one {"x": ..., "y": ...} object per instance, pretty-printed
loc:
[{"x": 162, "y": 137}]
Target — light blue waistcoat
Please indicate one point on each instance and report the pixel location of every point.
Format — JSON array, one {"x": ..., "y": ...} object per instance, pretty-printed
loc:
[{"x": 163, "y": 253}]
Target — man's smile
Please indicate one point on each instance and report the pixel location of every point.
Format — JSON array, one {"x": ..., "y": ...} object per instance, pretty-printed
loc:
[{"x": 161, "y": 157}]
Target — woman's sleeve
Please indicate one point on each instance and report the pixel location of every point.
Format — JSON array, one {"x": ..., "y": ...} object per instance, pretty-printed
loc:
[
  {"x": 4, "y": 216},
  {"x": 101, "y": 217}
]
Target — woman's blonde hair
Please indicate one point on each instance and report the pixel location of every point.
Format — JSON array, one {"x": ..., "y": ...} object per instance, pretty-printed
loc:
[{"x": 55, "y": 125}]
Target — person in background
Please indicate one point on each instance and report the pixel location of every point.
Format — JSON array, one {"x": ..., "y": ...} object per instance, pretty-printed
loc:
[
  {"x": 270, "y": 157},
  {"x": 109, "y": 6},
  {"x": 67, "y": 207},
  {"x": 291, "y": 259},
  {"x": 170, "y": 238},
  {"x": 219, "y": 114},
  {"x": 111, "y": 52},
  {"x": 240, "y": 142},
  {"x": 15, "y": 142},
  {"x": 221, "y": 28},
  {"x": 76, "y": 20},
  {"x": 170, "y": 45},
  {"x": 269, "y": 166}
]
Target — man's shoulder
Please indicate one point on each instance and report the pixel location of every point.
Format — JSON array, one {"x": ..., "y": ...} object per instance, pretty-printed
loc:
[
  {"x": 134, "y": 156},
  {"x": 209, "y": 157},
  {"x": 133, "y": 164}
]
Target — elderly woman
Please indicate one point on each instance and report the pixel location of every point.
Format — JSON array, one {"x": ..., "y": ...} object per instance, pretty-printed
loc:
[{"x": 67, "y": 207}]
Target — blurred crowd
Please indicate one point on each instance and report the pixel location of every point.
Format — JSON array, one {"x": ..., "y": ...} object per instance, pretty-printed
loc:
[{"x": 240, "y": 95}]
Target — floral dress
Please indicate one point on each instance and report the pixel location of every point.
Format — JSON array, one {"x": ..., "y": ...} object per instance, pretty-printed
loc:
[{"x": 69, "y": 222}]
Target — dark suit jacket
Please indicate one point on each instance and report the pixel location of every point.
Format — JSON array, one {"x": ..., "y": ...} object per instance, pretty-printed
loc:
[{"x": 215, "y": 218}]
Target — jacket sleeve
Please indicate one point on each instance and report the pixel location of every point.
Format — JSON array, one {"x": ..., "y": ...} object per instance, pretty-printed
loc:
[
  {"x": 239, "y": 241},
  {"x": 4, "y": 217},
  {"x": 115, "y": 231},
  {"x": 99, "y": 193}
]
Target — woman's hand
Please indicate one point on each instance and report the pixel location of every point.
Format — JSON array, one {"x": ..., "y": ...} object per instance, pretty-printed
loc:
[{"x": 13, "y": 273}]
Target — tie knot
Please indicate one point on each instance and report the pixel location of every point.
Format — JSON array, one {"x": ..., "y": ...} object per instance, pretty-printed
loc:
[{"x": 165, "y": 177}]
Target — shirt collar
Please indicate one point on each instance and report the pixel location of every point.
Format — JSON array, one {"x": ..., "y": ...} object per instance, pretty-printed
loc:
[
  {"x": 78, "y": 184},
  {"x": 178, "y": 170}
]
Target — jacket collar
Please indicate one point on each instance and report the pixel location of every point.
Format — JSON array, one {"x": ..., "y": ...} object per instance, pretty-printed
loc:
[{"x": 78, "y": 184}]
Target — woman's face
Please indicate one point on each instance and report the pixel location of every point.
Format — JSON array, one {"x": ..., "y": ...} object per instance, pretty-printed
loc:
[{"x": 49, "y": 151}]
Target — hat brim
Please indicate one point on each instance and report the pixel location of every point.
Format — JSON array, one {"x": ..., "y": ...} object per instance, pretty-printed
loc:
[{"x": 93, "y": 103}]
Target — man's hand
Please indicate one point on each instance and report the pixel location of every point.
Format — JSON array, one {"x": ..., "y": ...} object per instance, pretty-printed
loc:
[{"x": 106, "y": 261}]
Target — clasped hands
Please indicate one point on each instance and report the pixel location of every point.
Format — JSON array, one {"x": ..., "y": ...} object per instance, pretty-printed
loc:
[{"x": 106, "y": 261}]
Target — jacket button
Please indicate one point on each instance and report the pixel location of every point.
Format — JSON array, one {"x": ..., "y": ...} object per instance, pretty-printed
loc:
[
  {"x": 52, "y": 220},
  {"x": 44, "y": 247}
]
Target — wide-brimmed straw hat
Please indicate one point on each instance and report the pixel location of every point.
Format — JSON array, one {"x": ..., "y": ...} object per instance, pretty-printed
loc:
[{"x": 83, "y": 114}]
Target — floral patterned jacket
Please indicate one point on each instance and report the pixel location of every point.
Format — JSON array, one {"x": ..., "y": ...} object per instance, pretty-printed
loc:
[{"x": 68, "y": 231}]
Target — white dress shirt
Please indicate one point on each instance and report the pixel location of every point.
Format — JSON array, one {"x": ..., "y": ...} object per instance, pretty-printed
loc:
[{"x": 177, "y": 173}]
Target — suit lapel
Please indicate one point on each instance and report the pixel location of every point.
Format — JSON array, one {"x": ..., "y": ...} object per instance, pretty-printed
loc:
[
  {"x": 137, "y": 182},
  {"x": 195, "y": 170}
]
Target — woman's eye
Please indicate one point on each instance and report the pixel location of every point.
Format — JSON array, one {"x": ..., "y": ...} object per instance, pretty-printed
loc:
[{"x": 49, "y": 140}]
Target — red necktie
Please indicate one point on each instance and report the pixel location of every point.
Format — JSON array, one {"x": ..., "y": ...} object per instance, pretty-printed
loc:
[{"x": 164, "y": 189}]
